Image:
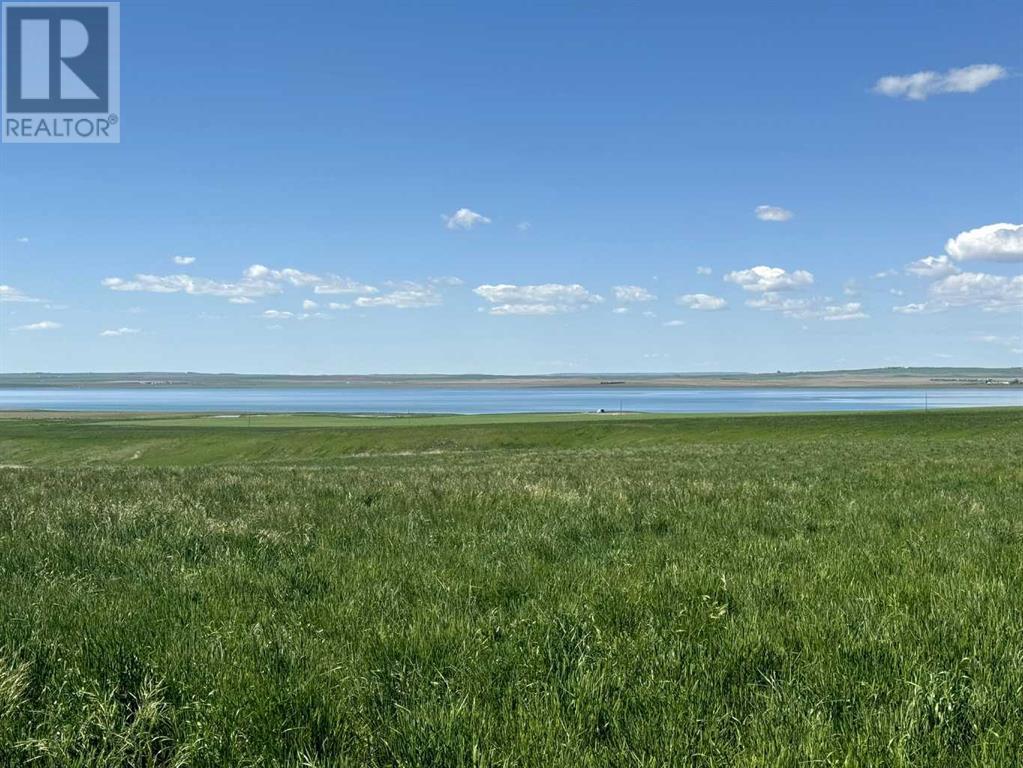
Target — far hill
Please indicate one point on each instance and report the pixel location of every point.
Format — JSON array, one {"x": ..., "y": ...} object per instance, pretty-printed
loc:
[{"x": 869, "y": 377}]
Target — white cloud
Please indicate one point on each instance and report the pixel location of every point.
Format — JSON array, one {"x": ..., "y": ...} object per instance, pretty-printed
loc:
[
  {"x": 977, "y": 290},
  {"x": 336, "y": 306},
  {"x": 885, "y": 273},
  {"x": 256, "y": 281},
  {"x": 620, "y": 310},
  {"x": 852, "y": 310},
  {"x": 308, "y": 305},
  {"x": 910, "y": 309},
  {"x": 991, "y": 293},
  {"x": 775, "y": 302},
  {"x": 23, "y": 240},
  {"x": 772, "y": 213},
  {"x": 704, "y": 271},
  {"x": 464, "y": 219},
  {"x": 702, "y": 301},
  {"x": 674, "y": 323},
  {"x": 919, "y": 85},
  {"x": 191, "y": 285},
  {"x": 409, "y": 294},
  {"x": 808, "y": 309},
  {"x": 184, "y": 260},
  {"x": 332, "y": 285},
  {"x": 45, "y": 325},
  {"x": 10, "y": 294},
  {"x": 932, "y": 267},
  {"x": 256, "y": 271},
  {"x": 994, "y": 242},
  {"x": 119, "y": 332},
  {"x": 526, "y": 309},
  {"x": 523, "y": 226},
  {"x": 296, "y": 277},
  {"x": 771, "y": 279},
  {"x": 241, "y": 300},
  {"x": 627, "y": 294},
  {"x": 546, "y": 299},
  {"x": 281, "y": 314},
  {"x": 404, "y": 296}
]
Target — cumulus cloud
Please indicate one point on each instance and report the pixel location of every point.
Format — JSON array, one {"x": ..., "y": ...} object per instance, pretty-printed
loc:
[
  {"x": 44, "y": 325},
  {"x": 407, "y": 295},
  {"x": 627, "y": 294},
  {"x": 809, "y": 308},
  {"x": 191, "y": 285},
  {"x": 10, "y": 294},
  {"x": 769, "y": 279},
  {"x": 119, "y": 332},
  {"x": 674, "y": 323},
  {"x": 546, "y": 299},
  {"x": 932, "y": 267},
  {"x": 852, "y": 310},
  {"x": 464, "y": 219},
  {"x": 702, "y": 301},
  {"x": 977, "y": 290},
  {"x": 241, "y": 300},
  {"x": 704, "y": 271},
  {"x": 919, "y": 85},
  {"x": 620, "y": 310},
  {"x": 991, "y": 293},
  {"x": 256, "y": 281},
  {"x": 256, "y": 271},
  {"x": 308, "y": 305},
  {"x": 184, "y": 260},
  {"x": 994, "y": 242},
  {"x": 772, "y": 213},
  {"x": 775, "y": 302}
]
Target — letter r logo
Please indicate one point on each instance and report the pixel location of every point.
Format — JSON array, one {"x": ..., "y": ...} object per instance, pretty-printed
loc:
[{"x": 57, "y": 58}]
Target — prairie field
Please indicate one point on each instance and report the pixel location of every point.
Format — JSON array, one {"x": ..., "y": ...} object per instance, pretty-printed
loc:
[{"x": 837, "y": 590}]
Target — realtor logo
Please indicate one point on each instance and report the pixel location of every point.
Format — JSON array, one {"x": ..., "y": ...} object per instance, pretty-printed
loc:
[{"x": 61, "y": 72}]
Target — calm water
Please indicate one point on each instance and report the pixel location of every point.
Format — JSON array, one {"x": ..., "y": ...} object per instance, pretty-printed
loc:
[{"x": 503, "y": 400}]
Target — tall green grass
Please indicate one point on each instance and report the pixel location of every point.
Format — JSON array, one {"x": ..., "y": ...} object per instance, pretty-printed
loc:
[{"x": 763, "y": 591}]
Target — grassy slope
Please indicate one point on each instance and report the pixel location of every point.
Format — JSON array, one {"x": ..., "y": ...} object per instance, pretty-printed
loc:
[
  {"x": 720, "y": 591},
  {"x": 189, "y": 440}
]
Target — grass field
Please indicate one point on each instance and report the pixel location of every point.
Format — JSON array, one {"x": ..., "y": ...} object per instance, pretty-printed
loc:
[{"x": 627, "y": 591}]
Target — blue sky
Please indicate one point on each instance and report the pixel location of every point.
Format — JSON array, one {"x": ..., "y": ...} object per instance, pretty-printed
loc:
[{"x": 326, "y": 187}]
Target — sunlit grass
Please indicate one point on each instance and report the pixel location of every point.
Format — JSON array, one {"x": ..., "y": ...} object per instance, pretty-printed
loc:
[{"x": 760, "y": 591}]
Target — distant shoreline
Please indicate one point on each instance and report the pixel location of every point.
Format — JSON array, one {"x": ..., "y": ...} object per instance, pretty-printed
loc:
[{"x": 879, "y": 378}]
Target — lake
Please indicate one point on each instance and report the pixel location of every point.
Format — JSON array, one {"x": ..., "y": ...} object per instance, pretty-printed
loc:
[{"x": 470, "y": 400}]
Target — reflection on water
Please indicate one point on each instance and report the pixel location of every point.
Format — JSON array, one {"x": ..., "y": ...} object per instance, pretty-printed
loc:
[{"x": 504, "y": 399}]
